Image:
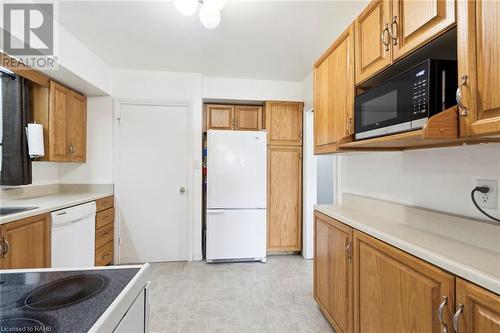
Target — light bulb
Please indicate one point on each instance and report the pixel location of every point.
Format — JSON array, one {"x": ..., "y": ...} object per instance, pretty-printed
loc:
[
  {"x": 209, "y": 17},
  {"x": 186, "y": 7},
  {"x": 215, "y": 4}
]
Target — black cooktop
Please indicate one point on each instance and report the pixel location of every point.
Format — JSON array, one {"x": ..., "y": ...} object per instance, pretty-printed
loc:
[{"x": 68, "y": 301}]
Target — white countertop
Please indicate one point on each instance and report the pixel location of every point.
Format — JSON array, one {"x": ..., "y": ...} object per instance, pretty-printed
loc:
[
  {"x": 465, "y": 247},
  {"x": 52, "y": 200}
]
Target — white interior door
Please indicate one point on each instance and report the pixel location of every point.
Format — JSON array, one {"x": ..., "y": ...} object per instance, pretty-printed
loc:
[{"x": 152, "y": 169}]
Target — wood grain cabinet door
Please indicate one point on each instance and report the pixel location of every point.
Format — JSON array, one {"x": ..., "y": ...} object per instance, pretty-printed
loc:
[
  {"x": 478, "y": 310},
  {"x": 220, "y": 117},
  {"x": 59, "y": 147},
  {"x": 414, "y": 23},
  {"x": 333, "y": 271},
  {"x": 334, "y": 94},
  {"x": 478, "y": 24},
  {"x": 284, "y": 123},
  {"x": 371, "y": 26},
  {"x": 77, "y": 127},
  {"x": 284, "y": 209},
  {"x": 396, "y": 292},
  {"x": 247, "y": 118},
  {"x": 27, "y": 243}
]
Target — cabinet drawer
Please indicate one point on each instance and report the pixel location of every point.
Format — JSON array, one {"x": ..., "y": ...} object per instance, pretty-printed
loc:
[
  {"x": 104, "y": 203},
  {"x": 105, "y": 217},
  {"x": 104, "y": 255},
  {"x": 104, "y": 235}
]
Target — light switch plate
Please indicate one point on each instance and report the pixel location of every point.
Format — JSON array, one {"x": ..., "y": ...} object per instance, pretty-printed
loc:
[{"x": 487, "y": 200}]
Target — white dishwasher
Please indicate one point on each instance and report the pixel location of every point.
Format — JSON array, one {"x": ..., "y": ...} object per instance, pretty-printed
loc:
[{"x": 73, "y": 236}]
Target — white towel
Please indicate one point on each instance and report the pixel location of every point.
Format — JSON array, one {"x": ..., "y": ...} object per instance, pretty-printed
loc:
[{"x": 34, "y": 133}]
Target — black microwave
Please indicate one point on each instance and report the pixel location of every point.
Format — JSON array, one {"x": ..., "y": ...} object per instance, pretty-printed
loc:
[{"x": 405, "y": 102}]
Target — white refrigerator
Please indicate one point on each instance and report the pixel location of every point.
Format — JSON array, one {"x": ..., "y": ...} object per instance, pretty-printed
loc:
[{"x": 236, "y": 196}]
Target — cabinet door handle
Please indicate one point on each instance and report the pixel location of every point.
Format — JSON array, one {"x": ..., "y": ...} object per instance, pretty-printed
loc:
[
  {"x": 348, "y": 126},
  {"x": 461, "y": 106},
  {"x": 456, "y": 317},
  {"x": 440, "y": 314},
  {"x": 6, "y": 247},
  {"x": 382, "y": 36},
  {"x": 348, "y": 251},
  {"x": 394, "y": 32}
]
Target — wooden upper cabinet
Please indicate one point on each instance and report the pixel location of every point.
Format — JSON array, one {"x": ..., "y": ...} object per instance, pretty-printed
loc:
[
  {"x": 284, "y": 123},
  {"x": 220, "y": 117},
  {"x": 66, "y": 123},
  {"x": 248, "y": 118},
  {"x": 478, "y": 24},
  {"x": 77, "y": 127},
  {"x": 59, "y": 147},
  {"x": 372, "y": 28},
  {"x": 414, "y": 23},
  {"x": 334, "y": 94},
  {"x": 27, "y": 243},
  {"x": 284, "y": 198},
  {"x": 396, "y": 292},
  {"x": 333, "y": 271},
  {"x": 478, "y": 310}
]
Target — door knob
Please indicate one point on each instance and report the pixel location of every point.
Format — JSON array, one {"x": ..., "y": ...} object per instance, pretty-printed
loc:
[{"x": 182, "y": 189}]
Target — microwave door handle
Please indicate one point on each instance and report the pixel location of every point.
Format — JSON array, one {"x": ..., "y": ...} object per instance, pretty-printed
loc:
[{"x": 443, "y": 90}]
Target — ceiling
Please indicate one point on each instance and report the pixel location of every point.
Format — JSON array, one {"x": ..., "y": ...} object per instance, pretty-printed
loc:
[{"x": 270, "y": 40}]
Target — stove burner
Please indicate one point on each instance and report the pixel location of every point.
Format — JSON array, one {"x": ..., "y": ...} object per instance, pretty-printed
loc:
[
  {"x": 21, "y": 325},
  {"x": 64, "y": 292}
]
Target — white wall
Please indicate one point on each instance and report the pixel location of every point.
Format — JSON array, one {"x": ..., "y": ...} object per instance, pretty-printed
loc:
[
  {"x": 439, "y": 179},
  {"x": 45, "y": 173},
  {"x": 99, "y": 166},
  {"x": 309, "y": 171},
  {"x": 251, "y": 90}
]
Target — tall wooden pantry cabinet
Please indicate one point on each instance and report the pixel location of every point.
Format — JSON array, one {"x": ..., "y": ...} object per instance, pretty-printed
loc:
[{"x": 284, "y": 175}]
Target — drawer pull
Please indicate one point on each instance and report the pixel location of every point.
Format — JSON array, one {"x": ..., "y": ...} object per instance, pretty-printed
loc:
[
  {"x": 105, "y": 256},
  {"x": 456, "y": 317},
  {"x": 348, "y": 251},
  {"x": 105, "y": 234},
  {"x": 382, "y": 36},
  {"x": 440, "y": 314},
  {"x": 458, "y": 96},
  {"x": 6, "y": 247}
]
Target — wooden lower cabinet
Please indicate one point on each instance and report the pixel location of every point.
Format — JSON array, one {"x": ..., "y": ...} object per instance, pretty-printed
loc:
[
  {"x": 104, "y": 233},
  {"x": 396, "y": 292},
  {"x": 284, "y": 198},
  {"x": 333, "y": 271},
  {"x": 478, "y": 310},
  {"x": 26, "y": 243}
]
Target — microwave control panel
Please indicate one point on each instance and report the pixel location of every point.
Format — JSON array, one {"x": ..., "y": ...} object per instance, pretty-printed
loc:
[{"x": 420, "y": 93}]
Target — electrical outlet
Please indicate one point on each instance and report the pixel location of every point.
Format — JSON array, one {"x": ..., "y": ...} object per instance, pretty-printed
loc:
[{"x": 487, "y": 200}]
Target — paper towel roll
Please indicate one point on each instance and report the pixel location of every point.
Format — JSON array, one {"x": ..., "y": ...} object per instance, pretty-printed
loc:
[{"x": 34, "y": 133}]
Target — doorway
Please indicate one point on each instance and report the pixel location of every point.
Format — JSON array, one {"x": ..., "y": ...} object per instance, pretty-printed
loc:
[{"x": 152, "y": 174}]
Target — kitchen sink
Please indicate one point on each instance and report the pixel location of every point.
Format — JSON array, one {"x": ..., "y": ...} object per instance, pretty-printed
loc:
[{"x": 12, "y": 210}]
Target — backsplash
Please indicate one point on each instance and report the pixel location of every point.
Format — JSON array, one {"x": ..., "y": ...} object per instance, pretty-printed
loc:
[{"x": 440, "y": 179}]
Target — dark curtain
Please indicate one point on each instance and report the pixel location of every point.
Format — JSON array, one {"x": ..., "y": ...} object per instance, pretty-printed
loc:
[{"x": 16, "y": 163}]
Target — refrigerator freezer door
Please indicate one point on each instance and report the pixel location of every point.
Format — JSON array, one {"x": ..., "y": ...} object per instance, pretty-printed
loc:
[
  {"x": 236, "y": 234},
  {"x": 237, "y": 163}
]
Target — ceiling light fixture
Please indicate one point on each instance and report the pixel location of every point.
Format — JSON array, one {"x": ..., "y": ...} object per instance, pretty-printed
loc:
[{"x": 209, "y": 13}]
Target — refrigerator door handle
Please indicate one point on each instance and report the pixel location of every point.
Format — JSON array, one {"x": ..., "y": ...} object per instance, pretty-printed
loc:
[{"x": 215, "y": 211}]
